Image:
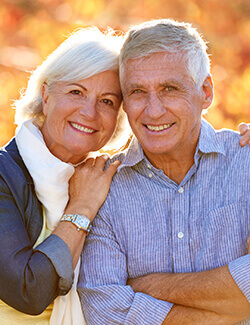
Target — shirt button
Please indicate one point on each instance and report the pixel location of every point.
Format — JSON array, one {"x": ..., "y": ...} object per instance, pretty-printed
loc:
[
  {"x": 180, "y": 235},
  {"x": 150, "y": 175},
  {"x": 148, "y": 166},
  {"x": 181, "y": 190}
]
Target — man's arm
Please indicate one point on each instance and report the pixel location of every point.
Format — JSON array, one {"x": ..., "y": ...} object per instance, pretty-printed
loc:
[
  {"x": 213, "y": 290},
  {"x": 105, "y": 297},
  {"x": 192, "y": 316}
]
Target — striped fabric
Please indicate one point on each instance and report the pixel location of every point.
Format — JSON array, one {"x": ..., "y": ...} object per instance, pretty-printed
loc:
[{"x": 150, "y": 224}]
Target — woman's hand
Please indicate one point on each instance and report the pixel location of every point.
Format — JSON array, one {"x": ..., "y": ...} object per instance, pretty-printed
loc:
[
  {"x": 89, "y": 186},
  {"x": 245, "y": 132}
]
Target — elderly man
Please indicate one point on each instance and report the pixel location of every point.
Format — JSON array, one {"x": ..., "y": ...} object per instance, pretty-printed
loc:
[{"x": 176, "y": 220}]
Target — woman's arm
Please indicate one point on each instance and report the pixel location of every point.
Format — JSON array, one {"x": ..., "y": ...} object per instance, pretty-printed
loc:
[
  {"x": 28, "y": 278},
  {"x": 32, "y": 278},
  {"x": 88, "y": 190}
]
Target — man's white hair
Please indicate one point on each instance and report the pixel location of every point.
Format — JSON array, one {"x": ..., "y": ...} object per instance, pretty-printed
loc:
[{"x": 167, "y": 35}]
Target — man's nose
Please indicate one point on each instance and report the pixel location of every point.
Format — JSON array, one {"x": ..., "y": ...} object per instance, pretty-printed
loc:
[{"x": 155, "y": 107}]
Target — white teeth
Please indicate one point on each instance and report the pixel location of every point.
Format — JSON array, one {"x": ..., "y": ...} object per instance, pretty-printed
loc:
[
  {"x": 159, "y": 128},
  {"x": 82, "y": 128}
]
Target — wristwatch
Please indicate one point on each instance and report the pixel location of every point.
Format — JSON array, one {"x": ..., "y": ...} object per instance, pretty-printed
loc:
[{"x": 79, "y": 220}]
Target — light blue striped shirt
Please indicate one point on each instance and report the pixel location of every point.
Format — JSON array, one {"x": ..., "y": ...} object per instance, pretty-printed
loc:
[{"x": 150, "y": 224}]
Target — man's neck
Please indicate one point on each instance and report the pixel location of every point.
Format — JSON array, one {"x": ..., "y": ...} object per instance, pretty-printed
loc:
[{"x": 174, "y": 166}]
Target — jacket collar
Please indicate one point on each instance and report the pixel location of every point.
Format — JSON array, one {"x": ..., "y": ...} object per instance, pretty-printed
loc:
[{"x": 12, "y": 150}]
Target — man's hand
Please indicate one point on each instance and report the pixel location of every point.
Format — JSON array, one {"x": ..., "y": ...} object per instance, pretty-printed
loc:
[
  {"x": 248, "y": 245},
  {"x": 244, "y": 130}
]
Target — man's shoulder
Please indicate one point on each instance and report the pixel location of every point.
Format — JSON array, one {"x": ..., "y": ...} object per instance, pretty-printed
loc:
[
  {"x": 122, "y": 157},
  {"x": 118, "y": 156},
  {"x": 231, "y": 142},
  {"x": 227, "y": 133}
]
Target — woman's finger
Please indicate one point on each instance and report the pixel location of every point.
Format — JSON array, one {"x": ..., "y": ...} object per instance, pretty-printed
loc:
[
  {"x": 101, "y": 160},
  {"x": 243, "y": 127},
  {"x": 112, "y": 168},
  {"x": 89, "y": 162}
]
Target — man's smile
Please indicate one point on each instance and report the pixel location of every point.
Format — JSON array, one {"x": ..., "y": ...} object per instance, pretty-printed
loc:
[{"x": 157, "y": 128}]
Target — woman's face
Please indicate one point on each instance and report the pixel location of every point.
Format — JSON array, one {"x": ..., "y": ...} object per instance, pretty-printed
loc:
[{"x": 80, "y": 116}]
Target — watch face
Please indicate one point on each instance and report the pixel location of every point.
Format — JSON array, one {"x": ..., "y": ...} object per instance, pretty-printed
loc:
[{"x": 82, "y": 222}]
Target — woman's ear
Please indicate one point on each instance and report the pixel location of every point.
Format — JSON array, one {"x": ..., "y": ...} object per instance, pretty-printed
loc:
[
  {"x": 45, "y": 97},
  {"x": 124, "y": 107},
  {"x": 208, "y": 92}
]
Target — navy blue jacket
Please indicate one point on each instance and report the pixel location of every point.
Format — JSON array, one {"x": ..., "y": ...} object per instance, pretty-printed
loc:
[{"x": 30, "y": 279}]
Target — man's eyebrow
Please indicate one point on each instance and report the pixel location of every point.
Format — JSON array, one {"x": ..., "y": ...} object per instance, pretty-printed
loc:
[
  {"x": 167, "y": 83},
  {"x": 171, "y": 82},
  {"x": 133, "y": 86}
]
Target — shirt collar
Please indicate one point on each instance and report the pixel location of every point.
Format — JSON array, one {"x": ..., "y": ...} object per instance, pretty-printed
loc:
[
  {"x": 133, "y": 155},
  {"x": 207, "y": 143}
]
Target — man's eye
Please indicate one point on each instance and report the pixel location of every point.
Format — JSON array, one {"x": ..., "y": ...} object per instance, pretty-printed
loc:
[
  {"x": 136, "y": 91},
  {"x": 170, "y": 88},
  {"x": 75, "y": 92},
  {"x": 108, "y": 101}
]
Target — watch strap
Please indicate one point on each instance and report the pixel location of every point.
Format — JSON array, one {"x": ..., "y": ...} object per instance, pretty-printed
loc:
[{"x": 79, "y": 220}]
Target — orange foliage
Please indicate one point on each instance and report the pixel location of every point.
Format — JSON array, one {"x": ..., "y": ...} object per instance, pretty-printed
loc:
[{"x": 30, "y": 30}]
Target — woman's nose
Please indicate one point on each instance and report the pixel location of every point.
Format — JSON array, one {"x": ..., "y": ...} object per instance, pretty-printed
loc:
[{"x": 89, "y": 109}]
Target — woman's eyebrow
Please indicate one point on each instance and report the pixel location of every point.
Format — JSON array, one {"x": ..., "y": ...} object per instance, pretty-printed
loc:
[
  {"x": 79, "y": 85},
  {"x": 111, "y": 94}
]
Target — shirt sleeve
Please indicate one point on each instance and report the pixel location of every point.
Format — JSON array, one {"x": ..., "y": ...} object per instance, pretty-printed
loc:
[
  {"x": 240, "y": 271},
  {"x": 105, "y": 297},
  {"x": 30, "y": 279}
]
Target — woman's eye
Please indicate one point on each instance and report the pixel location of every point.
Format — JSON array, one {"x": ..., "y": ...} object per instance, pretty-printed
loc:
[
  {"x": 107, "y": 101},
  {"x": 75, "y": 92}
]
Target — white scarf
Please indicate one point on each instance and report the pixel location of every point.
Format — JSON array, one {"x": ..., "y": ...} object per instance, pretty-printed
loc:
[{"x": 51, "y": 177}]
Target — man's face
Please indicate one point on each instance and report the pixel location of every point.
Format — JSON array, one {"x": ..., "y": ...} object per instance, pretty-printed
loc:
[{"x": 163, "y": 103}]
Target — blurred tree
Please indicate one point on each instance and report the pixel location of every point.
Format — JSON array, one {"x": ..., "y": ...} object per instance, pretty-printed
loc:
[{"x": 30, "y": 30}]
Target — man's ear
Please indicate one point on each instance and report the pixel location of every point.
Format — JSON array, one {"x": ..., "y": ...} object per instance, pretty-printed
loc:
[
  {"x": 45, "y": 97},
  {"x": 208, "y": 92}
]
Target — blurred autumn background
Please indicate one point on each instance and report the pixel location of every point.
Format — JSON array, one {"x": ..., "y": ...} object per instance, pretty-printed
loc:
[{"x": 31, "y": 29}]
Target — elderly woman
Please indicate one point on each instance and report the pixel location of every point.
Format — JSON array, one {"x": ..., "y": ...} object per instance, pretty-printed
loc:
[{"x": 70, "y": 108}]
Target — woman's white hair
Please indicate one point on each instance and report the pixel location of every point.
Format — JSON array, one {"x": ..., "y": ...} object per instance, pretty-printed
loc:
[
  {"x": 167, "y": 35},
  {"x": 86, "y": 52}
]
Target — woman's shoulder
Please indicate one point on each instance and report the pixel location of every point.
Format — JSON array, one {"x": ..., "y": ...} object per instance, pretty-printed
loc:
[
  {"x": 17, "y": 192},
  {"x": 11, "y": 163}
]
